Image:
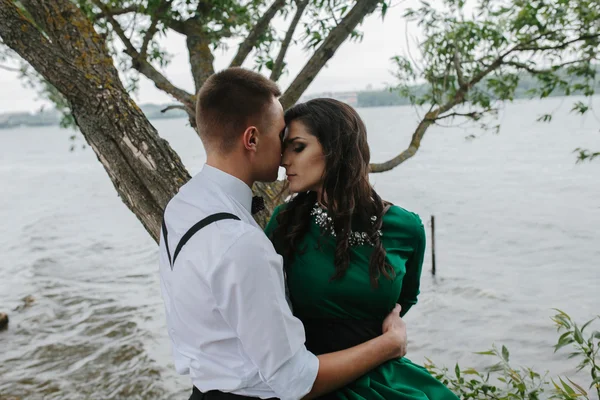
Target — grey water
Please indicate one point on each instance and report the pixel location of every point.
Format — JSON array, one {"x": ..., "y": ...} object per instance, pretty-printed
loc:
[{"x": 517, "y": 234}]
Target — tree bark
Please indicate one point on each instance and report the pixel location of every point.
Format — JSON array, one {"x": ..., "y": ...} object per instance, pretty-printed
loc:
[
  {"x": 273, "y": 194},
  {"x": 201, "y": 58},
  {"x": 144, "y": 169},
  {"x": 327, "y": 49}
]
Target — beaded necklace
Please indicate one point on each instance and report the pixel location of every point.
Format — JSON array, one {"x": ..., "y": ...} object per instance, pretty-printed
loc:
[{"x": 325, "y": 222}]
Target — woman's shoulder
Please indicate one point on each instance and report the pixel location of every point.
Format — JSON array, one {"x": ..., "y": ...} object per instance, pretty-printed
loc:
[
  {"x": 279, "y": 209},
  {"x": 399, "y": 221}
]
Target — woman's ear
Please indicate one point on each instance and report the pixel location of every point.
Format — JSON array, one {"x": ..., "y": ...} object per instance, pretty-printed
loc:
[{"x": 250, "y": 138}]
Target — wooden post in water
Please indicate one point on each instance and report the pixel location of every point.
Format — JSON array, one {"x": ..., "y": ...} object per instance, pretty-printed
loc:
[{"x": 433, "y": 245}]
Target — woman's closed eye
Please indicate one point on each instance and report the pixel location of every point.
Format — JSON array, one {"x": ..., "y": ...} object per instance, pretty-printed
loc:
[{"x": 299, "y": 147}]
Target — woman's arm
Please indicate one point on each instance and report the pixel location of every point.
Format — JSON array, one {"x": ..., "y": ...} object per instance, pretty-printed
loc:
[
  {"x": 342, "y": 367},
  {"x": 414, "y": 267}
]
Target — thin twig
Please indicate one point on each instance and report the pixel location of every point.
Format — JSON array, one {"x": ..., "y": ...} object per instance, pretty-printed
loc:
[
  {"x": 153, "y": 26},
  {"x": 173, "y": 107},
  {"x": 11, "y": 69}
]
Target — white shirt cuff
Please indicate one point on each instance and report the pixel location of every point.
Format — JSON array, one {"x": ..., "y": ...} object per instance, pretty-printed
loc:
[{"x": 296, "y": 377}]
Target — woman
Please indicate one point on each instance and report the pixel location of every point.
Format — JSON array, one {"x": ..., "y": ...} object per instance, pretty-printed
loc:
[{"x": 349, "y": 256}]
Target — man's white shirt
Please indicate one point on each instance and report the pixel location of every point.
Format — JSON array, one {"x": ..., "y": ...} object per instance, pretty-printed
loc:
[{"x": 229, "y": 323}]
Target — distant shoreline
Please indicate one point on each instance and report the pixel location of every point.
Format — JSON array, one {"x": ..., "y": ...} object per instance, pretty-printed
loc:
[{"x": 357, "y": 99}]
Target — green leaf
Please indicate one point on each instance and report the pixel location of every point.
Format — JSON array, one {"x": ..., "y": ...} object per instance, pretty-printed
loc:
[
  {"x": 384, "y": 7},
  {"x": 486, "y": 353},
  {"x": 586, "y": 324},
  {"x": 581, "y": 390},
  {"x": 577, "y": 335},
  {"x": 567, "y": 388},
  {"x": 495, "y": 368},
  {"x": 583, "y": 364},
  {"x": 545, "y": 118},
  {"x": 580, "y": 108},
  {"x": 563, "y": 341},
  {"x": 470, "y": 371},
  {"x": 505, "y": 353}
]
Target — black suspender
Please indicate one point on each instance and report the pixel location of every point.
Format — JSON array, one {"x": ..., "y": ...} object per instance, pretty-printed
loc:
[
  {"x": 165, "y": 238},
  {"x": 192, "y": 231}
]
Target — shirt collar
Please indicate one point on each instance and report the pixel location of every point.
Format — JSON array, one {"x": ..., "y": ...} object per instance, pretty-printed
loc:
[{"x": 231, "y": 185}]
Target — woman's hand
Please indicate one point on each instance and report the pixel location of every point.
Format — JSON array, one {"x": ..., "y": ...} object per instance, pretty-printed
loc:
[{"x": 395, "y": 328}]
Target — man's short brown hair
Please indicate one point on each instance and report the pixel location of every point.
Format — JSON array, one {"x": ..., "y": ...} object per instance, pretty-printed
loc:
[{"x": 227, "y": 101}]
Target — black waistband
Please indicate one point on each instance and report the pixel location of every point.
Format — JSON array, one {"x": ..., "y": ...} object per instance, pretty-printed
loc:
[
  {"x": 216, "y": 395},
  {"x": 329, "y": 335}
]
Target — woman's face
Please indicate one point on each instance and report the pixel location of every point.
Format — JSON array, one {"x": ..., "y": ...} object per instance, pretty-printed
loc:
[{"x": 303, "y": 159}]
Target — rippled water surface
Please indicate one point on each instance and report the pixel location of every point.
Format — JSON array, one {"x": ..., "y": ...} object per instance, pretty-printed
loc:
[{"x": 517, "y": 233}]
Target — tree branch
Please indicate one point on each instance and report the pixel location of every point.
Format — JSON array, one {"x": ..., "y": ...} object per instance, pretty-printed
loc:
[
  {"x": 201, "y": 56},
  {"x": 117, "y": 11},
  {"x": 145, "y": 68},
  {"x": 475, "y": 115},
  {"x": 176, "y": 25},
  {"x": 559, "y": 46},
  {"x": 173, "y": 107},
  {"x": 11, "y": 69},
  {"x": 162, "y": 7},
  {"x": 252, "y": 39},
  {"x": 327, "y": 49},
  {"x": 534, "y": 71},
  {"x": 459, "y": 71},
  {"x": 500, "y": 60},
  {"x": 433, "y": 116},
  {"x": 278, "y": 66},
  {"x": 415, "y": 142}
]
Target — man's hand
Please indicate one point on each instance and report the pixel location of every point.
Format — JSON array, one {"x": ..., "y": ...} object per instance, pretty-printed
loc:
[{"x": 395, "y": 328}]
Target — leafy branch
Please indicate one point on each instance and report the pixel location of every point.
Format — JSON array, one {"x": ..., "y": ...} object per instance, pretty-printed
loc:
[
  {"x": 525, "y": 383},
  {"x": 477, "y": 61}
]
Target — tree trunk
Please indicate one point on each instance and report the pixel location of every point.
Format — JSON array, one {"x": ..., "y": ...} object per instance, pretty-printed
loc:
[
  {"x": 273, "y": 194},
  {"x": 144, "y": 169}
]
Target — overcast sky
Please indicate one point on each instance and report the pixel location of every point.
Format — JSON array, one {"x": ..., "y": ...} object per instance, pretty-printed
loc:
[{"x": 354, "y": 66}]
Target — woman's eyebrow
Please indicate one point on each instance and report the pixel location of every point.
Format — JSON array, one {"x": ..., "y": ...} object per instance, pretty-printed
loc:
[{"x": 293, "y": 139}]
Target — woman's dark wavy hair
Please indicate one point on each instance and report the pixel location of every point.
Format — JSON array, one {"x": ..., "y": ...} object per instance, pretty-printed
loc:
[{"x": 349, "y": 197}]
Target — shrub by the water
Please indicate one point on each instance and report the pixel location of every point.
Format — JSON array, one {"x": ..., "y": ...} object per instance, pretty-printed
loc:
[{"x": 502, "y": 381}]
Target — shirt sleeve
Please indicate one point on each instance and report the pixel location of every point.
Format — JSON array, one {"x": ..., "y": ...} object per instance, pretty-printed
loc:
[{"x": 248, "y": 288}]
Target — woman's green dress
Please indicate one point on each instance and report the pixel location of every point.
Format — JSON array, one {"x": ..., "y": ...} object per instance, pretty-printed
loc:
[{"x": 317, "y": 300}]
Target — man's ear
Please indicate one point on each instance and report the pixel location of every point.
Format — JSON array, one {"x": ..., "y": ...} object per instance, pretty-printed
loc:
[{"x": 250, "y": 138}]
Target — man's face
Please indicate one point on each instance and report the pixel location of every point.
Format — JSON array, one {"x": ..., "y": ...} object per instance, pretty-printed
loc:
[{"x": 268, "y": 155}]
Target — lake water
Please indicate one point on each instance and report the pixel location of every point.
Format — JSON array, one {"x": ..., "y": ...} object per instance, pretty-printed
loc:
[{"x": 517, "y": 234}]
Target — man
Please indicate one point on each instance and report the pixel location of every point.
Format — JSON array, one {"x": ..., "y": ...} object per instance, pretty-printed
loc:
[{"x": 230, "y": 326}]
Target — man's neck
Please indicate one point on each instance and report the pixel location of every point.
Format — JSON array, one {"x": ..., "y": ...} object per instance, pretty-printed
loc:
[{"x": 232, "y": 167}]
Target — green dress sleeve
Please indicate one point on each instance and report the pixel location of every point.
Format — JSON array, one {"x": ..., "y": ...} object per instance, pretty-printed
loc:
[
  {"x": 414, "y": 267},
  {"x": 404, "y": 234}
]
